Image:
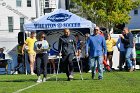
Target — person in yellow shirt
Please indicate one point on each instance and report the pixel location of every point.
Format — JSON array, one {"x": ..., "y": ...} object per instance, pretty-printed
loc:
[
  {"x": 110, "y": 43},
  {"x": 29, "y": 46}
]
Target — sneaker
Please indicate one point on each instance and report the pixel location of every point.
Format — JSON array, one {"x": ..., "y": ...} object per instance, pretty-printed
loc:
[
  {"x": 100, "y": 78},
  {"x": 32, "y": 73},
  {"x": 16, "y": 72},
  {"x": 39, "y": 80},
  {"x": 70, "y": 76},
  {"x": 131, "y": 69},
  {"x": 113, "y": 69},
  {"x": 44, "y": 79},
  {"x": 134, "y": 69},
  {"x": 54, "y": 72},
  {"x": 89, "y": 71}
]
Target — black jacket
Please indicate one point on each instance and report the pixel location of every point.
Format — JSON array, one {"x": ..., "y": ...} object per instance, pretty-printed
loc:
[
  {"x": 128, "y": 40},
  {"x": 67, "y": 45}
]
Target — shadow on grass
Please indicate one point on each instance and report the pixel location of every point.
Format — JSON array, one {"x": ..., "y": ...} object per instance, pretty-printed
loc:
[
  {"x": 19, "y": 80},
  {"x": 75, "y": 79}
]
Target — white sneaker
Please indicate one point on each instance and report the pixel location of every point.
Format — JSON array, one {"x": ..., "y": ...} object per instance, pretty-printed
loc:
[
  {"x": 44, "y": 79},
  {"x": 70, "y": 76},
  {"x": 16, "y": 72},
  {"x": 89, "y": 71},
  {"x": 32, "y": 73},
  {"x": 39, "y": 80},
  {"x": 54, "y": 72}
]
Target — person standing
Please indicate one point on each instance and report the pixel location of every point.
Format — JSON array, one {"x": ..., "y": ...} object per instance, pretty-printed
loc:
[
  {"x": 98, "y": 49},
  {"x": 2, "y": 55},
  {"x": 87, "y": 61},
  {"x": 41, "y": 47},
  {"x": 121, "y": 49},
  {"x": 29, "y": 45},
  {"x": 67, "y": 48},
  {"x": 110, "y": 43},
  {"x": 52, "y": 61},
  {"x": 127, "y": 39},
  {"x": 133, "y": 54},
  {"x": 79, "y": 44},
  {"x": 79, "y": 48},
  {"x": 107, "y": 67},
  {"x": 20, "y": 58}
]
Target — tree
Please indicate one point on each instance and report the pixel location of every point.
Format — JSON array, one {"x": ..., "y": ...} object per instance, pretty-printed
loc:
[{"x": 107, "y": 13}]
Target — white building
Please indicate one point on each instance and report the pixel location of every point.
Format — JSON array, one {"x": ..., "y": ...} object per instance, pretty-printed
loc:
[
  {"x": 13, "y": 14},
  {"x": 135, "y": 19}
]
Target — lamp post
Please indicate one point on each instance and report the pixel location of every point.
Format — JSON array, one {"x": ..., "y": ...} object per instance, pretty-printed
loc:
[
  {"x": 67, "y": 4},
  {"x": 36, "y": 8}
]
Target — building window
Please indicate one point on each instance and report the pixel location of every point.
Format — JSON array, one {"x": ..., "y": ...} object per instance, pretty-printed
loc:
[
  {"x": 46, "y": 3},
  {"x": 10, "y": 24},
  {"x": 135, "y": 11},
  {"x": 18, "y": 3},
  {"x": 28, "y": 3},
  {"x": 21, "y": 24}
]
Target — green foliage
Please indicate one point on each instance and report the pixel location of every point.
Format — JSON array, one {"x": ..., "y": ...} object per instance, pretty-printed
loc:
[{"x": 107, "y": 13}]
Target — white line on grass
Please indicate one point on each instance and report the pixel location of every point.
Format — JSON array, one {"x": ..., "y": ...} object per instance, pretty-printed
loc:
[{"x": 18, "y": 91}]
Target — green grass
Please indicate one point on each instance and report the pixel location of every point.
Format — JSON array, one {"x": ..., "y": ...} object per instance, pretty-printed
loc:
[{"x": 113, "y": 82}]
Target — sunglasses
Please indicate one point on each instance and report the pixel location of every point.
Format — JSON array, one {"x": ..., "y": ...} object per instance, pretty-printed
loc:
[{"x": 43, "y": 37}]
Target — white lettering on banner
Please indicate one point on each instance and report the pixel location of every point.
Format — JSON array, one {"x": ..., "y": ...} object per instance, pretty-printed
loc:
[
  {"x": 58, "y": 25},
  {"x": 45, "y": 25},
  {"x": 71, "y": 25}
]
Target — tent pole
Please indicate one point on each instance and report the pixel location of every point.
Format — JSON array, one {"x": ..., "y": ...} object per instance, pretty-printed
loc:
[{"x": 25, "y": 56}]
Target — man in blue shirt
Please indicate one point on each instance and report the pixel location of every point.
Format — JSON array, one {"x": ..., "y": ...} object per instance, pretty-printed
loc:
[{"x": 97, "y": 45}]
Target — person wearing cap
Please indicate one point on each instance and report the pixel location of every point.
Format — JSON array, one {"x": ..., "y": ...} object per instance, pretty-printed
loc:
[{"x": 98, "y": 49}]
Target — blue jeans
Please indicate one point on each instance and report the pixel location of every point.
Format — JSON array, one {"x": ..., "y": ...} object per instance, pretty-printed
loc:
[
  {"x": 128, "y": 57},
  {"x": 89, "y": 63},
  {"x": 122, "y": 59},
  {"x": 99, "y": 61}
]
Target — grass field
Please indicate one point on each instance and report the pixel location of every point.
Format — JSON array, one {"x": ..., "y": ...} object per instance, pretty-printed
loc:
[{"x": 113, "y": 82}]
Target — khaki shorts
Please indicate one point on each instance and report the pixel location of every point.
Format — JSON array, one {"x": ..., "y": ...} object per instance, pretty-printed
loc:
[{"x": 32, "y": 58}]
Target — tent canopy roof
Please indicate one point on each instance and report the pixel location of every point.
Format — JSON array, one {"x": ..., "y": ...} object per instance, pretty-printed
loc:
[{"x": 58, "y": 19}]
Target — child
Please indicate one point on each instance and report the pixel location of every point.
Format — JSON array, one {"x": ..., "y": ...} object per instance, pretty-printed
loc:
[
  {"x": 52, "y": 61},
  {"x": 2, "y": 55},
  {"x": 20, "y": 57}
]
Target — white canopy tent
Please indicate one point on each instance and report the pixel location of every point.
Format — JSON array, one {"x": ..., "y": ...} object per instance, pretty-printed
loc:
[
  {"x": 58, "y": 19},
  {"x": 52, "y": 23}
]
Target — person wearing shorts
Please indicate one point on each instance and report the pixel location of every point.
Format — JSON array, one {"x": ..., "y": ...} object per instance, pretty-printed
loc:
[{"x": 29, "y": 46}]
